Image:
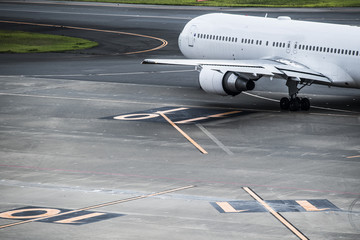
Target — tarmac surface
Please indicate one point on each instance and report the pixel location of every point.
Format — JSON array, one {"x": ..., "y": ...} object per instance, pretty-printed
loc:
[{"x": 86, "y": 150}]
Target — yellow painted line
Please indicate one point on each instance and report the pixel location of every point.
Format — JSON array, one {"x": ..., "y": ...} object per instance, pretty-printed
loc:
[
  {"x": 172, "y": 110},
  {"x": 358, "y": 156},
  {"x": 204, "y": 118},
  {"x": 228, "y": 208},
  {"x": 184, "y": 134},
  {"x": 100, "y": 205},
  {"x": 309, "y": 207},
  {"x": 192, "y": 120},
  {"x": 164, "y": 42},
  {"x": 285, "y": 222},
  {"x": 224, "y": 114}
]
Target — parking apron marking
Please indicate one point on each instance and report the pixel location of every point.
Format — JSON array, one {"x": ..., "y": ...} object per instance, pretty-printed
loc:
[
  {"x": 277, "y": 215},
  {"x": 98, "y": 206}
]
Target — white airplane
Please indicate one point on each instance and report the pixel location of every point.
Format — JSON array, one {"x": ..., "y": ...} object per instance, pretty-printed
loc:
[{"x": 232, "y": 52}]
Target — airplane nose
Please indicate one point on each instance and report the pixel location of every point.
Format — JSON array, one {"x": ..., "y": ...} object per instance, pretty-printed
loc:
[{"x": 181, "y": 41}]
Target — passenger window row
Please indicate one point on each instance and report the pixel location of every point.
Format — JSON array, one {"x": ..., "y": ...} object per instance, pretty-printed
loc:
[
  {"x": 328, "y": 50},
  {"x": 278, "y": 44},
  {"x": 251, "y": 41},
  {"x": 216, "y": 37}
]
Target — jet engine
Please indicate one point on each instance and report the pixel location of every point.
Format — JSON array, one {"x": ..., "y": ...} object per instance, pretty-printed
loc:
[{"x": 230, "y": 83}]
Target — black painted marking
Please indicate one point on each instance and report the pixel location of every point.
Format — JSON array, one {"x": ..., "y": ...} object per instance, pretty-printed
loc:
[
  {"x": 285, "y": 206},
  {"x": 28, "y": 213},
  {"x": 292, "y": 206},
  {"x": 206, "y": 114},
  {"x": 322, "y": 205}
]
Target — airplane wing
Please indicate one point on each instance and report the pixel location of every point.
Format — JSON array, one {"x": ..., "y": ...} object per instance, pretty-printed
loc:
[{"x": 254, "y": 69}]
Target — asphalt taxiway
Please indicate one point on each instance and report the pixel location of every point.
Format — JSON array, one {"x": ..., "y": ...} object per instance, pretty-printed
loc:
[{"x": 87, "y": 153}]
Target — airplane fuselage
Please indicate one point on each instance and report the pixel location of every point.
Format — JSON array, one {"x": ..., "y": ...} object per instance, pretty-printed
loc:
[{"x": 328, "y": 48}]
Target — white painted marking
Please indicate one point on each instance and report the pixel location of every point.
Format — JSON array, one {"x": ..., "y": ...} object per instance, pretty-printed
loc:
[
  {"x": 143, "y": 116},
  {"x": 191, "y": 120},
  {"x": 172, "y": 110},
  {"x": 34, "y": 213},
  {"x": 226, "y": 207},
  {"x": 137, "y": 116},
  {"x": 335, "y": 109},
  {"x": 309, "y": 207},
  {"x": 215, "y": 140},
  {"x": 78, "y": 218},
  {"x": 257, "y": 96},
  {"x": 100, "y": 74}
]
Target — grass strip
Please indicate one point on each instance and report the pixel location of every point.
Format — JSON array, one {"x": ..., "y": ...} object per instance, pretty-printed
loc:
[
  {"x": 241, "y": 3},
  {"x": 26, "y": 42}
]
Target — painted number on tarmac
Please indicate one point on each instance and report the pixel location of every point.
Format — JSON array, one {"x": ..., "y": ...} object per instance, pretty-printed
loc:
[
  {"x": 180, "y": 115},
  {"x": 74, "y": 218},
  {"x": 316, "y": 205}
]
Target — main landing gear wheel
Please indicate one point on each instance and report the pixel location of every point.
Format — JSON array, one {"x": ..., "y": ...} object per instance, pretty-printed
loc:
[
  {"x": 285, "y": 103},
  {"x": 295, "y": 104},
  {"x": 305, "y": 104}
]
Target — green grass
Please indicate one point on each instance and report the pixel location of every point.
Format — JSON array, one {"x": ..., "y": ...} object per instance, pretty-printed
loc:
[
  {"x": 244, "y": 3},
  {"x": 26, "y": 42}
]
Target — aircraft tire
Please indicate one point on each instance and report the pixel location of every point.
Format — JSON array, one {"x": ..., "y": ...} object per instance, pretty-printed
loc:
[
  {"x": 295, "y": 104},
  {"x": 284, "y": 103},
  {"x": 305, "y": 104}
]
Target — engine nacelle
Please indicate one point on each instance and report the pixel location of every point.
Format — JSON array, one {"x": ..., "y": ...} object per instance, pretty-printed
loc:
[{"x": 230, "y": 83}]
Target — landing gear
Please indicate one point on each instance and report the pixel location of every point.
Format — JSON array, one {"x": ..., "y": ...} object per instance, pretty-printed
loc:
[{"x": 294, "y": 103}]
